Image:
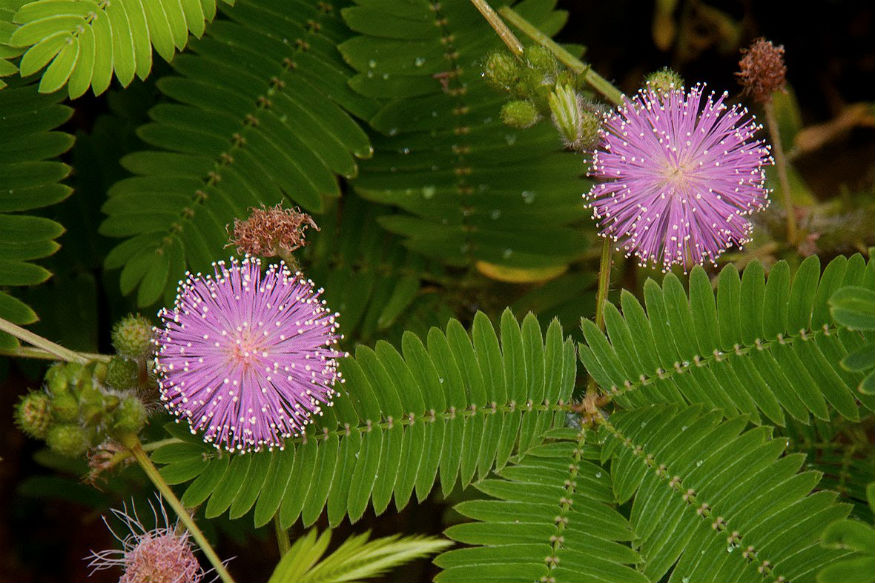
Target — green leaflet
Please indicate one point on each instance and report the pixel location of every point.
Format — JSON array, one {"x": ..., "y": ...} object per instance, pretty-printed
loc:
[
  {"x": 713, "y": 502},
  {"x": 29, "y": 179},
  {"x": 86, "y": 42},
  {"x": 549, "y": 516},
  {"x": 472, "y": 189},
  {"x": 255, "y": 120},
  {"x": 766, "y": 348},
  {"x": 402, "y": 420},
  {"x": 356, "y": 559}
]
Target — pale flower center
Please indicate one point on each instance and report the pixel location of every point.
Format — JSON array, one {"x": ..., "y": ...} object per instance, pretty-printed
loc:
[{"x": 245, "y": 350}]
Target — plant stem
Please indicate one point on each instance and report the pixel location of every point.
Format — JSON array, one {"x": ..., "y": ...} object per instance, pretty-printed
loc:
[
  {"x": 604, "y": 283},
  {"x": 282, "y": 536},
  {"x": 504, "y": 33},
  {"x": 35, "y": 339},
  {"x": 595, "y": 80},
  {"x": 132, "y": 442},
  {"x": 781, "y": 167},
  {"x": 39, "y": 353}
]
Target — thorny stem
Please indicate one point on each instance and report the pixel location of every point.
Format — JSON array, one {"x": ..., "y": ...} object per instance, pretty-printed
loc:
[
  {"x": 132, "y": 442},
  {"x": 781, "y": 167},
  {"x": 595, "y": 80},
  {"x": 506, "y": 35},
  {"x": 58, "y": 351},
  {"x": 282, "y": 536}
]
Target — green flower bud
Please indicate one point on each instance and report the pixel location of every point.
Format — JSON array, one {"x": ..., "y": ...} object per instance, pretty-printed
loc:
[
  {"x": 75, "y": 373},
  {"x": 56, "y": 379},
  {"x": 132, "y": 336},
  {"x": 665, "y": 80},
  {"x": 68, "y": 439},
  {"x": 122, "y": 373},
  {"x": 501, "y": 70},
  {"x": 65, "y": 408},
  {"x": 542, "y": 60},
  {"x": 520, "y": 114},
  {"x": 578, "y": 125},
  {"x": 33, "y": 414},
  {"x": 130, "y": 416}
]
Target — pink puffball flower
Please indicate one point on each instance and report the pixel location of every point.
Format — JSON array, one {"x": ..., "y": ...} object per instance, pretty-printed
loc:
[
  {"x": 247, "y": 357},
  {"x": 160, "y": 554},
  {"x": 680, "y": 176}
]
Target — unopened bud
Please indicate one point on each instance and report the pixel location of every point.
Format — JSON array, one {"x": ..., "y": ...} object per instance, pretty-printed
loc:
[
  {"x": 33, "y": 414},
  {"x": 578, "y": 126},
  {"x": 501, "y": 70},
  {"x": 542, "y": 60},
  {"x": 122, "y": 373},
  {"x": 65, "y": 408},
  {"x": 68, "y": 439},
  {"x": 130, "y": 416},
  {"x": 665, "y": 80},
  {"x": 520, "y": 114},
  {"x": 132, "y": 336}
]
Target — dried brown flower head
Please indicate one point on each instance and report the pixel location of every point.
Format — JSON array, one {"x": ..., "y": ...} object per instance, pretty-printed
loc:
[
  {"x": 271, "y": 232},
  {"x": 762, "y": 70}
]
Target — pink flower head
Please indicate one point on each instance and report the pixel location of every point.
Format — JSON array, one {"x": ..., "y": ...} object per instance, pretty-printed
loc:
[
  {"x": 161, "y": 554},
  {"x": 681, "y": 176},
  {"x": 247, "y": 357}
]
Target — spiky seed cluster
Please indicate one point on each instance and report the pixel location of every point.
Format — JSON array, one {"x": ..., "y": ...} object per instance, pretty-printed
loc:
[
  {"x": 246, "y": 357},
  {"x": 160, "y": 554},
  {"x": 271, "y": 232},
  {"x": 762, "y": 70},
  {"x": 680, "y": 176}
]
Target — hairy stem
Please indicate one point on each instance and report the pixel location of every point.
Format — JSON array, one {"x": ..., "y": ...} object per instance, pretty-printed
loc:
[
  {"x": 594, "y": 80},
  {"x": 48, "y": 346},
  {"x": 506, "y": 35},
  {"x": 39, "y": 353},
  {"x": 282, "y": 536},
  {"x": 132, "y": 442},
  {"x": 781, "y": 167},
  {"x": 604, "y": 283}
]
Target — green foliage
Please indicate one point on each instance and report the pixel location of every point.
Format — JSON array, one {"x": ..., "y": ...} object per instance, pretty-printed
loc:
[
  {"x": 854, "y": 307},
  {"x": 29, "y": 178},
  {"x": 452, "y": 407},
  {"x": 550, "y": 517},
  {"x": 472, "y": 188},
  {"x": 82, "y": 43},
  {"x": 369, "y": 277},
  {"x": 857, "y": 537},
  {"x": 355, "y": 560},
  {"x": 762, "y": 349},
  {"x": 713, "y": 502},
  {"x": 258, "y": 118}
]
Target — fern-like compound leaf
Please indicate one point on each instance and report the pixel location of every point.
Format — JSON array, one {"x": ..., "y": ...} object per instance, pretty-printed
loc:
[
  {"x": 712, "y": 501},
  {"x": 258, "y": 118},
  {"x": 450, "y": 408},
  {"x": 766, "y": 348},
  {"x": 83, "y": 43},
  {"x": 548, "y": 517},
  {"x": 30, "y": 178},
  {"x": 473, "y": 190}
]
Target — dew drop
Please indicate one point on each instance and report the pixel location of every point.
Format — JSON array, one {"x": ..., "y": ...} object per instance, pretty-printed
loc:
[
  {"x": 372, "y": 64},
  {"x": 598, "y": 474},
  {"x": 418, "y": 61},
  {"x": 528, "y": 196},
  {"x": 385, "y": 76},
  {"x": 507, "y": 253},
  {"x": 428, "y": 191},
  {"x": 404, "y": 151},
  {"x": 699, "y": 463},
  {"x": 495, "y": 214},
  {"x": 510, "y": 139},
  {"x": 393, "y": 131}
]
